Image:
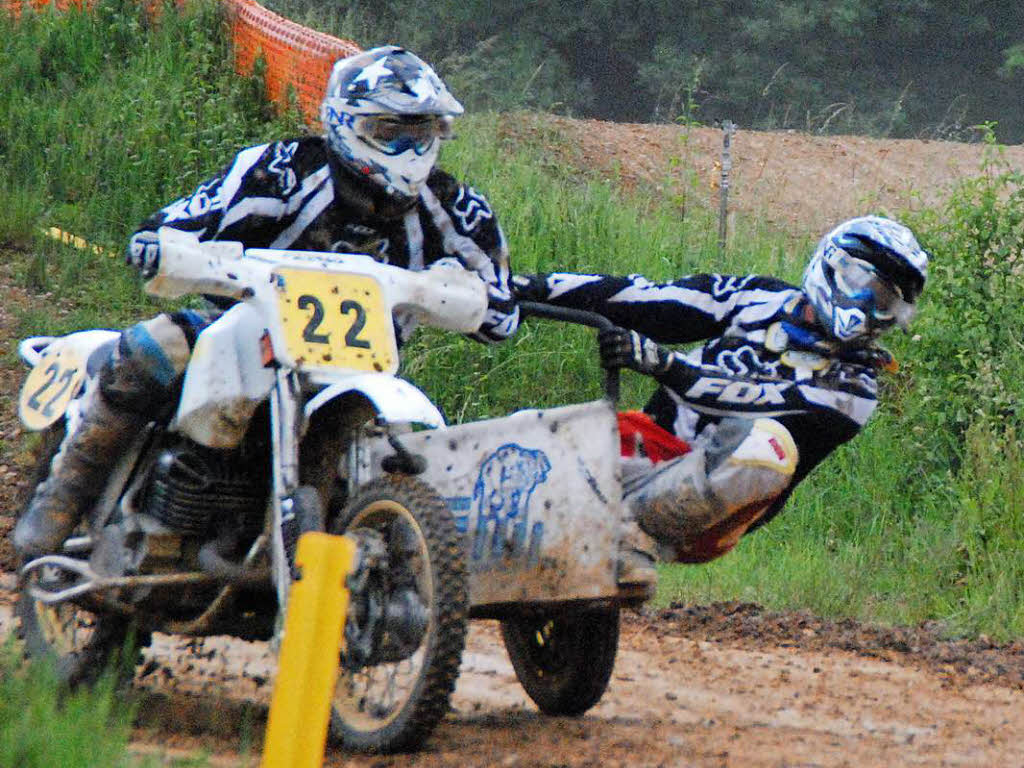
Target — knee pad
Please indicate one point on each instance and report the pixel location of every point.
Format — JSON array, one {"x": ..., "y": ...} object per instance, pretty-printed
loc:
[
  {"x": 750, "y": 460},
  {"x": 145, "y": 368}
]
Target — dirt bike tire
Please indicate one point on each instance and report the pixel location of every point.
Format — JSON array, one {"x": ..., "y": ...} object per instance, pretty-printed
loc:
[
  {"x": 563, "y": 661},
  {"x": 442, "y": 573},
  {"x": 78, "y": 662},
  {"x": 81, "y": 645}
]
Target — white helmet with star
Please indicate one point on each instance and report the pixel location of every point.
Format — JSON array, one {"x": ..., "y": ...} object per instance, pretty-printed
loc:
[{"x": 385, "y": 114}]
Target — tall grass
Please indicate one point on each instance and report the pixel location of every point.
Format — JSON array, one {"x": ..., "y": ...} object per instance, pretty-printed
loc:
[
  {"x": 41, "y": 727},
  {"x": 914, "y": 520},
  {"x": 104, "y": 117}
]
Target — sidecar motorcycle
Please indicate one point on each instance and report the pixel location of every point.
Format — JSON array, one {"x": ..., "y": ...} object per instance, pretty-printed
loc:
[
  {"x": 292, "y": 419},
  {"x": 537, "y": 497}
]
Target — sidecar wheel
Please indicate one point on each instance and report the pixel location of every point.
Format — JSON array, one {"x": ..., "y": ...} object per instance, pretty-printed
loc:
[
  {"x": 80, "y": 644},
  {"x": 564, "y": 662},
  {"x": 391, "y": 701}
]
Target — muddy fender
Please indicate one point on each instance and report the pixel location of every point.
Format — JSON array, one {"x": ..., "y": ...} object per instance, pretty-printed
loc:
[{"x": 395, "y": 400}]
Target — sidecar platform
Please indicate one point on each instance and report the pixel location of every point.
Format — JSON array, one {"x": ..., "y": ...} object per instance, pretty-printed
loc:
[{"x": 538, "y": 495}]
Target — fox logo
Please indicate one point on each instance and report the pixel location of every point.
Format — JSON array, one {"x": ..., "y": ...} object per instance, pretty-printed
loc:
[
  {"x": 280, "y": 166},
  {"x": 848, "y": 322},
  {"x": 740, "y": 392},
  {"x": 745, "y": 360},
  {"x": 206, "y": 198},
  {"x": 471, "y": 208},
  {"x": 725, "y": 284}
]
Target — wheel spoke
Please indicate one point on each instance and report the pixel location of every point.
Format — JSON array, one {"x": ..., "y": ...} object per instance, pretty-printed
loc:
[{"x": 415, "y": 644}]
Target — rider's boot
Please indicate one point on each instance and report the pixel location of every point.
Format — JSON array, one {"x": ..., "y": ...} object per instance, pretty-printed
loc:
[
  {"x": 78, "y": 474},
  {"x": 638, "y": 552},
  {"x": 700, "y": 504}
]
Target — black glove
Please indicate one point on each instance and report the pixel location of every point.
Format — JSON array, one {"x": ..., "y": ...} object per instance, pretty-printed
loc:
[
  {"x": 628, "y": 349},
  {"x": 530, "y": 287},
  {"x": 143, "y": 253},
  {"x": 875, "y": 356}
]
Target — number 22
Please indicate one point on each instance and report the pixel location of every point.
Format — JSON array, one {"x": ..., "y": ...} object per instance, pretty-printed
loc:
[
  {"x": 54, "y": 374},
  {"x": 349, "y": 305}
]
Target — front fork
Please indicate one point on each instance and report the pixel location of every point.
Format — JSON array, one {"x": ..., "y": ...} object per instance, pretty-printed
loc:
[
  {"x": 285, "y": 430},
  {"x": 286, "y": 427}
]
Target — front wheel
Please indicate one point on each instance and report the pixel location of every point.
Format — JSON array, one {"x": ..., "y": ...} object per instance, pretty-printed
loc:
[
  {"x": 79, "y": 643},
  {"x": 82, "y": 645},
  {"x": 564, "y": 663},
  {"x": 406, "y": 627}
]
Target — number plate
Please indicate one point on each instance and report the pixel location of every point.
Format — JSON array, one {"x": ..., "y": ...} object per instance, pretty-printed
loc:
[
  {"x": 49, "y": 387},
  {"x": 336, "y": 321}
]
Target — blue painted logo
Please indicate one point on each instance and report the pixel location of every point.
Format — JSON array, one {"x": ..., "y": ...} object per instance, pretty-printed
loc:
[{"x": 501, "y": 500}]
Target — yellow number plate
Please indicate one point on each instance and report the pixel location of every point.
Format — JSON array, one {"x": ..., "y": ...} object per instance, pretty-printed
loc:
[
  {"x": 49, "y": 387},
  {"x": 336, "y": 321}
]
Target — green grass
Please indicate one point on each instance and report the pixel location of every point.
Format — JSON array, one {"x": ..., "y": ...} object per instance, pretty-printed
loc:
[
  {"x": 103, "y": 118},
  {"x": 42, "y": 725},
  {"x": 34, "y": 711}
]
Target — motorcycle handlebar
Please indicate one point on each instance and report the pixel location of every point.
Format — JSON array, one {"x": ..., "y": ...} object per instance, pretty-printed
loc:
[{"x": 578, "y": 317}]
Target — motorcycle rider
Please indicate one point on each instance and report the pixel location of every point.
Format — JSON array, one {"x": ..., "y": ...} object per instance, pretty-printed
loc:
[
  {"x": 369, "y": 186},
  {"x": 785, "y": 375}
]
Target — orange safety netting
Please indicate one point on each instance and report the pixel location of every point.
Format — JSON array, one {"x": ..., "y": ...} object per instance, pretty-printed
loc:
[
  {"x": 15, "y": 7},
  {"x": 295, "y": 55}
]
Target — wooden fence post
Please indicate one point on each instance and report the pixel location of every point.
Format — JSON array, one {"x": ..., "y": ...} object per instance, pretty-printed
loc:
[{"x": 728, "y": 128}]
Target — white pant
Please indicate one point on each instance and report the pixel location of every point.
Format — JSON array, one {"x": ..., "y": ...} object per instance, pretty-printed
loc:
[{"x": 697, "y": 506}]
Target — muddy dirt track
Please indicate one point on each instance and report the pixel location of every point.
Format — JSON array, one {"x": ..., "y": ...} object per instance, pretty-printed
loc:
[{"x": 723, "y": 685}]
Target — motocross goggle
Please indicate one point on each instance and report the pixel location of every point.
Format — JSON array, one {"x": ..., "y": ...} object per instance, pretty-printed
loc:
[
  {"x": 393, "y": 134},
  {"x": 859, "y": 281}
]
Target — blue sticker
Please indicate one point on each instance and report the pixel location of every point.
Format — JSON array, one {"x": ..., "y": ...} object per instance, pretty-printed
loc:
[{"x": 460, "y": 506}]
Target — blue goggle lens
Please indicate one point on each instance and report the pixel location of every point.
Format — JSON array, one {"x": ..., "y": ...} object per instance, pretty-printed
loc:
[{"x": 393, "y": 136}]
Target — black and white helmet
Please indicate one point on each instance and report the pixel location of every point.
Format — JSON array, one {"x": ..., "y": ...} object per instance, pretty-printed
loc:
[
  {"x": 385, "y": 114},
  {"x": 865, "y": 277}
]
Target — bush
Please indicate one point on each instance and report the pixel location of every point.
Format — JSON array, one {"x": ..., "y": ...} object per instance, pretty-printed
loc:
[{"x": 971, "y": 356}]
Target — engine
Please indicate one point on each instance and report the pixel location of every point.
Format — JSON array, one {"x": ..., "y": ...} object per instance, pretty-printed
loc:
[{"x": 198, "y": 492}]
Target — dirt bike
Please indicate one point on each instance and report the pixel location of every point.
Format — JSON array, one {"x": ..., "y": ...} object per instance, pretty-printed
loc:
[
  {"x": 291, "y": 419},
  {"x": 196, "y": 530}
]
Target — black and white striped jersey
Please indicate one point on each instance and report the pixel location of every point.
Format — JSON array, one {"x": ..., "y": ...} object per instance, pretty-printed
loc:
[
  {"x": 292, "y": 195},
  {"x": 763, "y": 355}
]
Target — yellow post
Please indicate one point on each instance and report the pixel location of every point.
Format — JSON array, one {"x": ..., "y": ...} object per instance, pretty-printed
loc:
[{"x": 308, "y": 663}]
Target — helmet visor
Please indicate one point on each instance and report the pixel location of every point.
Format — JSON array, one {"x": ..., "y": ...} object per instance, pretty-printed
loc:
[
  {"x": 859, "y": 281},
  {"x": 394, "y": 135}
]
